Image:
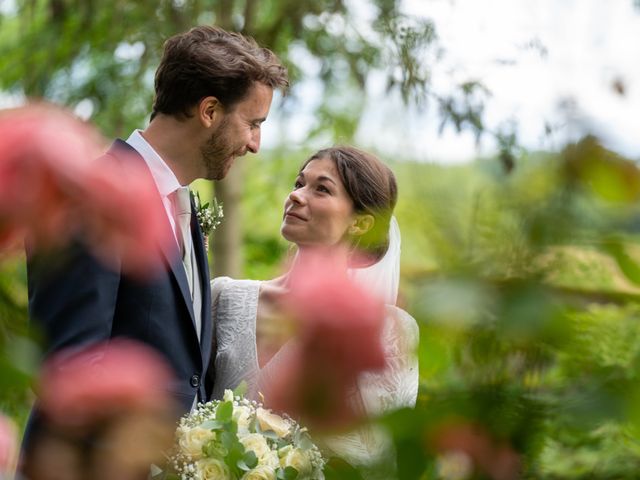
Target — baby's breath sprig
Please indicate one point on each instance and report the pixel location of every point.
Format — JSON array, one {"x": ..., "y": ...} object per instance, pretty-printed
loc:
[{"x": 209, "y": 217}]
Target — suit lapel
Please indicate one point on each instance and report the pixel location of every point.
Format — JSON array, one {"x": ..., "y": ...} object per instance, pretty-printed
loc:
[
  {"x": 203, "y": 267},
  {"x": 169, "y": 249}
]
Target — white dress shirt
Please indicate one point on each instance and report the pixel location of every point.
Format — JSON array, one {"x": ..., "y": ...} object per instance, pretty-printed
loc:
[{"x": 163, "y": 176}]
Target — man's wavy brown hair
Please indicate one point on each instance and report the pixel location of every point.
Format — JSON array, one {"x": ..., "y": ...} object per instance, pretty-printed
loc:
[{"x": 209, "y": 61}]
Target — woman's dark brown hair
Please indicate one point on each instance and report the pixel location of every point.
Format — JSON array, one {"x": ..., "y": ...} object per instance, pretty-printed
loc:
[
  {"x": 209, "y": 61},
  {"x": 372, "y": 187}
]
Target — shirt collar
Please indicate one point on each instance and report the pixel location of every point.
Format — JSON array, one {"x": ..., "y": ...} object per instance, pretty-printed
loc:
[{"x": 165, "y": 179}]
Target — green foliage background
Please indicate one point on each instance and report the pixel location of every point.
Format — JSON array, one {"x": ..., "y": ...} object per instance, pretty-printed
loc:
[{"x": 524, "y": 281}]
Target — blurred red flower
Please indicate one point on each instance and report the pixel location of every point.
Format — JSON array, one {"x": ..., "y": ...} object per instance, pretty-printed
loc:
[
  {"x": 78, "y": 388},
  {"x": 8, "y": 446},
  {"x": 494, "y": 458},
  {"x": 339, "y": 331},
  {"x": 52, "y": 186}
]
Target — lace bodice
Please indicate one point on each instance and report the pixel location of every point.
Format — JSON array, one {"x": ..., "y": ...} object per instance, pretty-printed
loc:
[
  {"x": 235, "y": 306},
  {"x": 234, "y": 315}
]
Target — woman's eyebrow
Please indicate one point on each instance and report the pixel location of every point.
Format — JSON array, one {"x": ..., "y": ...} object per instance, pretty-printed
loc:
[{"x": 324, "y": 177}]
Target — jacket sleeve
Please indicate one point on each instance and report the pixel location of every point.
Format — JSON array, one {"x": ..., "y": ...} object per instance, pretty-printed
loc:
[{"x": 72, "y": 297}]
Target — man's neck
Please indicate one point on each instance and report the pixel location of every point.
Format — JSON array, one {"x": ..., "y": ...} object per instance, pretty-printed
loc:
[{"x": 176, "y": 144}]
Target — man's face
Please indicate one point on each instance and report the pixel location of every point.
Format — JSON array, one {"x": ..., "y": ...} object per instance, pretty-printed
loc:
[{"x": 237, "y": 133}]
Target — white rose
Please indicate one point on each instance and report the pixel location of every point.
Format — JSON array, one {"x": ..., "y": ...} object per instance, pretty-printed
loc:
[
  {"x": 297, "y": 459},
  {"x": 261, "y": 472},
  {"x": 271, "y": 421},
  {"x": 270, "y": 459},
  {"x": 242, "y": 416},
  {"x": 193, "y": 440},
  {"x": 227, "y": 396},
  {"x": 212, "y": 469},
  {"x": 257, "y": 443}
]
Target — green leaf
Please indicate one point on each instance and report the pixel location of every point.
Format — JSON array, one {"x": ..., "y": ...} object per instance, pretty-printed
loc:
[
  {"x": 248, "y": 461},
  {"x": 211, "y": 425},
  {"x": 304, "y": 441},
  {"x": 627, "y": 265},
  {"x": 224, "y": 412},
  {"x": 229, "y": 440},
  {"x": 289, "y": 473},
  {"x": 240, "y": 390},
  {"x": 214, "y": 449}
]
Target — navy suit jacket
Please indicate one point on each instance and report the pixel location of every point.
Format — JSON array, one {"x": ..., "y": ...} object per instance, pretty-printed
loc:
[{"x": 79, "y": 301}]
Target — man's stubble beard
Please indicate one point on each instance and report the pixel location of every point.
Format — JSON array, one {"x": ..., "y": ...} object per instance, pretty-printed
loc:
[{"x": 215, "y": 153}]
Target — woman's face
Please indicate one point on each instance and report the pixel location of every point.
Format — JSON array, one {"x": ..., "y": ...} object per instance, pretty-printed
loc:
[{"x": 318, "y": 211}]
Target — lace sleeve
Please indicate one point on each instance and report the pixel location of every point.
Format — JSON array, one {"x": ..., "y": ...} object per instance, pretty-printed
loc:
[
  {"x": 390, "y": 389},
  {"x": 397, "y": 385}
]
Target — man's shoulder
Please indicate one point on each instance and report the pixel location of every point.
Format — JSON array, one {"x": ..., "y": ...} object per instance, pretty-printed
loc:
[{"x": 120, "y": 149}]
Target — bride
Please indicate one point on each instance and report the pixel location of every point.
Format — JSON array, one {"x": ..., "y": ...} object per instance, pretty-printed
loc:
[{"x": 341, "y": 197}]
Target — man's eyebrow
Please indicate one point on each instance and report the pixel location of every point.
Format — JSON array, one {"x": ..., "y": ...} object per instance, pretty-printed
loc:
[{"x": 259, "y": 120}]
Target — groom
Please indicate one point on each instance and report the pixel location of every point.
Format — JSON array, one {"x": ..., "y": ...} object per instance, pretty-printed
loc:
[{"x": 213, "y": 90}]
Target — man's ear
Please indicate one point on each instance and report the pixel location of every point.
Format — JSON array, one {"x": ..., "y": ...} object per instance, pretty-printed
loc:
[
  {"x": 362, "y": 224},
  {"x": 209, "y": 111}
]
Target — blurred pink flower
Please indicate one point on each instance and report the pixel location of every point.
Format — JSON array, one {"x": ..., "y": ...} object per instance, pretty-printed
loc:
[
  {"x": 494, "y": 458},
  {"x": 124, "y": 218},
  {"x": 42, "y": 149},
  {"x": 52, "y": 186},
  {"x": 78, "y": 388},
  {"x": 8, "y": 446},
  {"x": 339, "y": 331}
]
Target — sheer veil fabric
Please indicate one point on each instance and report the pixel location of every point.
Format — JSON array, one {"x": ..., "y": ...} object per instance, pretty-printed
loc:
[{"x": 383, "y": 277}]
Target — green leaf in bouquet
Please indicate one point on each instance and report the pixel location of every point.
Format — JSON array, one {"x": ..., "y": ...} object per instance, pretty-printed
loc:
[
  {"x": 248, "y": 461},
  {"x": 241, "y": 389},
  {"x": 213, "y": 449},
  {"x": 288, "y": 473},
  {"x": 270, "y": 434},
  {"x": 304, "y": 441},
  {"x": 281, "y": 443},
  {"x": 236, "y": 452},
  {"x": 254, "y": 425},
  {"x": 224, "y": 412},
  {"x": 211, "y": 425},
  {"x": 229, "y": 440}
]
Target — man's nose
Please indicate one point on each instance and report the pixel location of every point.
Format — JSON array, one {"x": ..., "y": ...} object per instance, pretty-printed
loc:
[{"x": 254, "y": 144}]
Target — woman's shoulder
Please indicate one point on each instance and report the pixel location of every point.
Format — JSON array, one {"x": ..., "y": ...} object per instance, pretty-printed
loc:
[
  {"x": 230, "y": 295},
  {"x": 220, "y": 284}
]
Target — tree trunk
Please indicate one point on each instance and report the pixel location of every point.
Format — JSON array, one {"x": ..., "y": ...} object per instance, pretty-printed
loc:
[{"x": 227, "y": 238}]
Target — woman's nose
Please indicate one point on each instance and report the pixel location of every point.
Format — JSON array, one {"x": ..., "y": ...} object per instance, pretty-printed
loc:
[{"x": 297, "y": 196}]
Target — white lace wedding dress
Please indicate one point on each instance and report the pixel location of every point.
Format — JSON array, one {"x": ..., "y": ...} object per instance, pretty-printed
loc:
[{"x": 234, "y": 317}]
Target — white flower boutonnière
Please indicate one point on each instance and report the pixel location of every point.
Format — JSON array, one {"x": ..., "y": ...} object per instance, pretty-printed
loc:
[{"x": 209, "y": 217}]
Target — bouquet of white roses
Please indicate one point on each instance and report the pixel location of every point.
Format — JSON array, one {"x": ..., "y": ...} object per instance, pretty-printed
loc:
[{"x": 237, "y": 439}]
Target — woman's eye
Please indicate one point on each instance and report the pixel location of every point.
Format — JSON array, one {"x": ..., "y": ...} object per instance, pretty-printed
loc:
[
  {"x": 324, "y": 189},
  {"x": 297, "y": 185}
]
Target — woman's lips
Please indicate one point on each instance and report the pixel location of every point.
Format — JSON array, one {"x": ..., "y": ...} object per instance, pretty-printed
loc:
[{"x": 295, "y": 215}]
